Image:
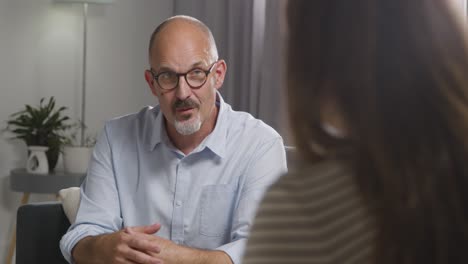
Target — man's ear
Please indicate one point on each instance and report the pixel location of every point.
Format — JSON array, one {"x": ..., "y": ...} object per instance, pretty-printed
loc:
[
  {"x": 220, "y": 73},
  {"x": 151, "y": 83}
]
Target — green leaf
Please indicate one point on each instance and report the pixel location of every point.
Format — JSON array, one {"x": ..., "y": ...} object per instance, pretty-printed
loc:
[{"x": 40, "y": 125}]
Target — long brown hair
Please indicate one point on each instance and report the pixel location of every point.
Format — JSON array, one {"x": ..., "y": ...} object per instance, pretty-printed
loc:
[{"x": 398, "y": 71}]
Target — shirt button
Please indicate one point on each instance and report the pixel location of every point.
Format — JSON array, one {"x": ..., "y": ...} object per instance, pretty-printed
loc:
[{"x": 178, "y": 203}]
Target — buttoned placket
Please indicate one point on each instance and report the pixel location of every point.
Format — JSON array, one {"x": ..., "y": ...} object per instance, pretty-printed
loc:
[{"x": 177, "y": 232}]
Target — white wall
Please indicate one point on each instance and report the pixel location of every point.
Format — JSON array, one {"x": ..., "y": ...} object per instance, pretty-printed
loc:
[{"x": 40, "y": 56}]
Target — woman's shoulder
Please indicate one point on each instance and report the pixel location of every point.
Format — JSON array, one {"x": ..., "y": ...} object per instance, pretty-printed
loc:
[
  {"x": 314, "y": 189},
  {"x": 314, "y": 213},
  {"x": 315, "y": 179}
]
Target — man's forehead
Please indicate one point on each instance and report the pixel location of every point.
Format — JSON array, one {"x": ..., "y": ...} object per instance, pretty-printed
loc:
[
  {"x": 185, "y": 65},
  {"x": 180, "y": 57}
]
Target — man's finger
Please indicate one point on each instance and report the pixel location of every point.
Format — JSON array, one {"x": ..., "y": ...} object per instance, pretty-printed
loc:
[
  {"x": 149, "y": 229},
  {"x": 143, "y": 242}
]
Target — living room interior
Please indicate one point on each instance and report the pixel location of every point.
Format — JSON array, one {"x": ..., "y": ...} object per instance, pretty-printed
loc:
[
  {"x": 44, "y": 53},
  {"x": 41, "y": 51}
]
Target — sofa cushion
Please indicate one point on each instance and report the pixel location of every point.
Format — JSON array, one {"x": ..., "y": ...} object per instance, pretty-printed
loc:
[{"x": 70, "y": 199}]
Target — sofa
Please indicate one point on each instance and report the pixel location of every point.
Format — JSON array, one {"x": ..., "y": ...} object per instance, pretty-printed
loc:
[{"x": 40, "y": 227}]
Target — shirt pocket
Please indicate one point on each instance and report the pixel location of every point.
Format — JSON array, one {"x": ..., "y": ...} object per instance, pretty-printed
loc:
[{"x": 217, "y": 202}]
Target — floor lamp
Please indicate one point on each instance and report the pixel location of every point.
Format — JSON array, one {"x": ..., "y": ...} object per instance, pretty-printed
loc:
[{"x": 83, "y": 71}]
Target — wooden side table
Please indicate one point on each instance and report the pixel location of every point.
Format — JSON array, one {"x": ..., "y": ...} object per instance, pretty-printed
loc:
[{"x": 27, "y": 183}]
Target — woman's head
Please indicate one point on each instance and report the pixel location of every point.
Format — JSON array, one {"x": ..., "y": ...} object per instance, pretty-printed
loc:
[
  {"x": 396, "y": 74},
  {"x": 390, "y": 68}
]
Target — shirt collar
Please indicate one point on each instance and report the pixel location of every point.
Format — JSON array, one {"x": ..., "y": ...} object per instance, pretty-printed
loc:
[
  {"x": 156, "y": 127},
  {"x": 215, "y": 141}
]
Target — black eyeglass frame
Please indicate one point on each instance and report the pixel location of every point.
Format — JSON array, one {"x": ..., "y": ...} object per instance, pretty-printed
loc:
[{"x": 207, "y": 72}]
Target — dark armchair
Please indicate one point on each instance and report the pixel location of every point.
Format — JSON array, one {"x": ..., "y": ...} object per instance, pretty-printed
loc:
[{"x": 40, "y": 227}]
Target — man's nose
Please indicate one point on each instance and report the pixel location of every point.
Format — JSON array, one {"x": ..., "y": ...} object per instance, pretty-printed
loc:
[{"x": 183, "y": 90}]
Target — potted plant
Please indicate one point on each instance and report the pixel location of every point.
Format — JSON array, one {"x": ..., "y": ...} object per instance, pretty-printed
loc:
[
  {"x": 43, "y": 125},
  {"x": 76, "y": 156}
]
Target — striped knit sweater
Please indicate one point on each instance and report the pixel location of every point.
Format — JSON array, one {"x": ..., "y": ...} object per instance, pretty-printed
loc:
[{"x": 314, "y": 215}]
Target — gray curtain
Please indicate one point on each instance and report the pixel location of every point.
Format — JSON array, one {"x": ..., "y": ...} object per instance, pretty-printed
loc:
[{"x": 248, "y": 34}]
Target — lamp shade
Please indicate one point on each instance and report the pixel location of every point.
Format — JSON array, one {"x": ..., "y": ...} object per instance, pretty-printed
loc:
[{"x": 85, "y": 1}]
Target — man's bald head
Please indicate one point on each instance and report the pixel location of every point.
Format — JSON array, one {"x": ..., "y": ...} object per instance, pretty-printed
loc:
[{"x": 190, "y": 21}]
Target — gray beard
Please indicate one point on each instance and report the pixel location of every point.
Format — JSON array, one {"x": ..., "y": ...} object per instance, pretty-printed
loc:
[{"x": 188, "y": 127}]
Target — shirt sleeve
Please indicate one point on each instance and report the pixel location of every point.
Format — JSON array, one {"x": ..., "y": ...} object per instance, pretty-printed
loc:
[
  {"x": 99, "y": 210},
  {"x": 267, "y": 164}
]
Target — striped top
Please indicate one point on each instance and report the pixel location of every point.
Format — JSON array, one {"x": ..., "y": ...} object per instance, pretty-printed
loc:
[{"x": 315, "y": 215}]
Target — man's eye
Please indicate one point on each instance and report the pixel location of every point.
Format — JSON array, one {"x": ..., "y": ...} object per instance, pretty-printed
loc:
[
  {"x": 165, "y": 75},
  {"x": 197, "y": 72}
]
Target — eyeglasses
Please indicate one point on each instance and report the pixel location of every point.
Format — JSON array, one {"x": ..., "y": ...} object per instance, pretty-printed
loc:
[{"x": 195, "y": 78}]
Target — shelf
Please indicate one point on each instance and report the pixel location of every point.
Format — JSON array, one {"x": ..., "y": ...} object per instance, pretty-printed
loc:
[{"x": 23, "y": 181}]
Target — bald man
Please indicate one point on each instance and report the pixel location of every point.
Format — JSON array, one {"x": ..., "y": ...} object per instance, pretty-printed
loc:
[{"x": 178, "y": 182}]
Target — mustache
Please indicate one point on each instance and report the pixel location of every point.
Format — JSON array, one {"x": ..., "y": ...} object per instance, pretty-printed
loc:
[{"x": 188, "y": 103}]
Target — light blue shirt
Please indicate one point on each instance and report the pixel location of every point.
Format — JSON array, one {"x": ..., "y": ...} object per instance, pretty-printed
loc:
[{"x": 206, "y": 199}]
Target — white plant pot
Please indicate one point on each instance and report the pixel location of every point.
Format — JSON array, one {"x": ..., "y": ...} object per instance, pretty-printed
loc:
[
  {"x": 76, "y": 159},
  {"x": 37, "y": 160}
]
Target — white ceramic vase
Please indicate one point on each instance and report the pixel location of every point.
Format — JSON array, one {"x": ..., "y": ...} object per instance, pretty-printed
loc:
[
  {"x": 37, "y": 160},
  {"x": 76, "y": 159}
]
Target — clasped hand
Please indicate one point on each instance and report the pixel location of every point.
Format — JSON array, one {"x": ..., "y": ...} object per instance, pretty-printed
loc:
[{"x": 138, "y": 245}]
